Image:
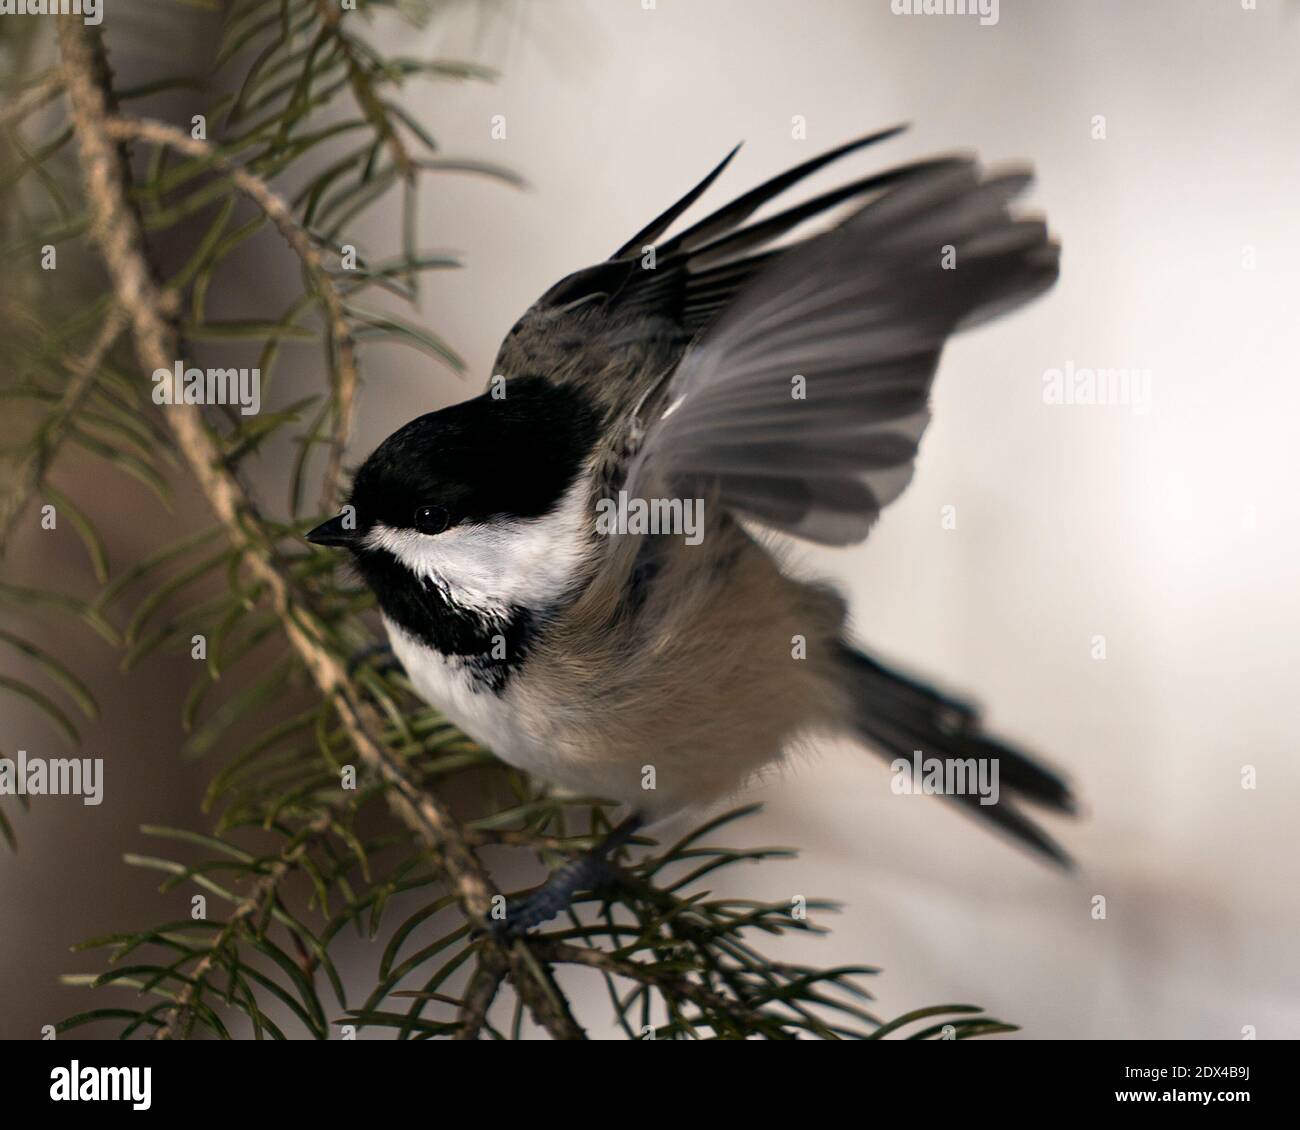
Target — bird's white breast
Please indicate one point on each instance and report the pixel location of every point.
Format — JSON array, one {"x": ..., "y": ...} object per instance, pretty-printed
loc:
[
  {"x": 492, "y": 569},
  {"x": 498, "y": 721},
  {"x": 510, "y": 725},
  {"x": 445, "y": 682}
]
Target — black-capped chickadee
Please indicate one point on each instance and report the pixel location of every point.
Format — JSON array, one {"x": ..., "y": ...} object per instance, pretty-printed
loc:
[{"x": 571, "y": 565}]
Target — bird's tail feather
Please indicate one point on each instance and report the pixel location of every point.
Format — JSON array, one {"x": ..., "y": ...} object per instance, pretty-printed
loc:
[{"x": 898, "y": 716}]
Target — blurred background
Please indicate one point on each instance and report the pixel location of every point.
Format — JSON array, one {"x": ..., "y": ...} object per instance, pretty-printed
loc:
[{"x": 1116, "y": 586}]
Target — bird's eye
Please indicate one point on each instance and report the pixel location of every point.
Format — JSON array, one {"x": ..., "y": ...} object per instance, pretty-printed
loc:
[{"x": 431, "y": 519}]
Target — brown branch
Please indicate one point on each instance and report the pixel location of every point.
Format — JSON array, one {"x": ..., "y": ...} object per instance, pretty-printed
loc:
[
  {"x": 117, "y": 230},
  {"x": 278, "y": 212},
  {"x": 479, "y": 995}
]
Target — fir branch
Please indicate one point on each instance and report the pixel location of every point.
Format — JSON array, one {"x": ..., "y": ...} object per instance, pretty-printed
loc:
[
  {"x": 32, "y": 99},
  {"x": 116, "y": 230},
  {"x": 363, "y": 90},
  {"x": 668, "y": 983},
  {"x": 175, "y": 1020},
  {"x": 26, "y": 478},
  {"x": 483, "y": 986},
  {"x": 537, "y": 841},
  {"x": 277, "y": 211}
]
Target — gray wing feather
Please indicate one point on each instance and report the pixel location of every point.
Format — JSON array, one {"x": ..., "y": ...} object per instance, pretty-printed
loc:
[{"x": 861, "y": 313}]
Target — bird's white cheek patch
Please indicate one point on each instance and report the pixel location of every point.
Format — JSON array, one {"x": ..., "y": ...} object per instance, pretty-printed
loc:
[{"x": 507, "y": 562}]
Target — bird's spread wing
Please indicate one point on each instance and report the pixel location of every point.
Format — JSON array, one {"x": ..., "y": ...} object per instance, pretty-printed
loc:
[
  {"x": 802, "y": 399},
  {"x": 697, "y": 274}
]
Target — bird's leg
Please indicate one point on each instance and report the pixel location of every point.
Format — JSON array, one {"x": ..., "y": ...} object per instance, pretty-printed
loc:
[{"x": 588, "y": 872}]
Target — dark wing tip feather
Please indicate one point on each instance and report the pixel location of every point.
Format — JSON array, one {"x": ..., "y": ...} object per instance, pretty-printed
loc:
[
  {"x": 742, "y": 207},
  {"x": 660, "y": 224},
  {"x": 726, "y": 219}
]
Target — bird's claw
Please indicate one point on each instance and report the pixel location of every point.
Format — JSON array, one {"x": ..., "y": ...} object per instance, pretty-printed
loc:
[{"x": 588, "y": 872}]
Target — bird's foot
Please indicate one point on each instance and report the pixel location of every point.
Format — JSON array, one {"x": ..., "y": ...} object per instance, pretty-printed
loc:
[
  {"x": 588, "y": 872},
  {"x": 591, "y": 871}
]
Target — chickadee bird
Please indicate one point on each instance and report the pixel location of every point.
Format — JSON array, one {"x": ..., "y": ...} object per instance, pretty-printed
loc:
[{"x": 757, "y": 384}]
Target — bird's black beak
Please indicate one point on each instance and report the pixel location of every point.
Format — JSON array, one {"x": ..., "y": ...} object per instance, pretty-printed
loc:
[{"x": 333, "y": 532}]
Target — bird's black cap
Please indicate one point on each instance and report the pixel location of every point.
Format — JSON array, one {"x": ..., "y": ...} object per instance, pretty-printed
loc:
[{"x": 482, "y": 458}]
